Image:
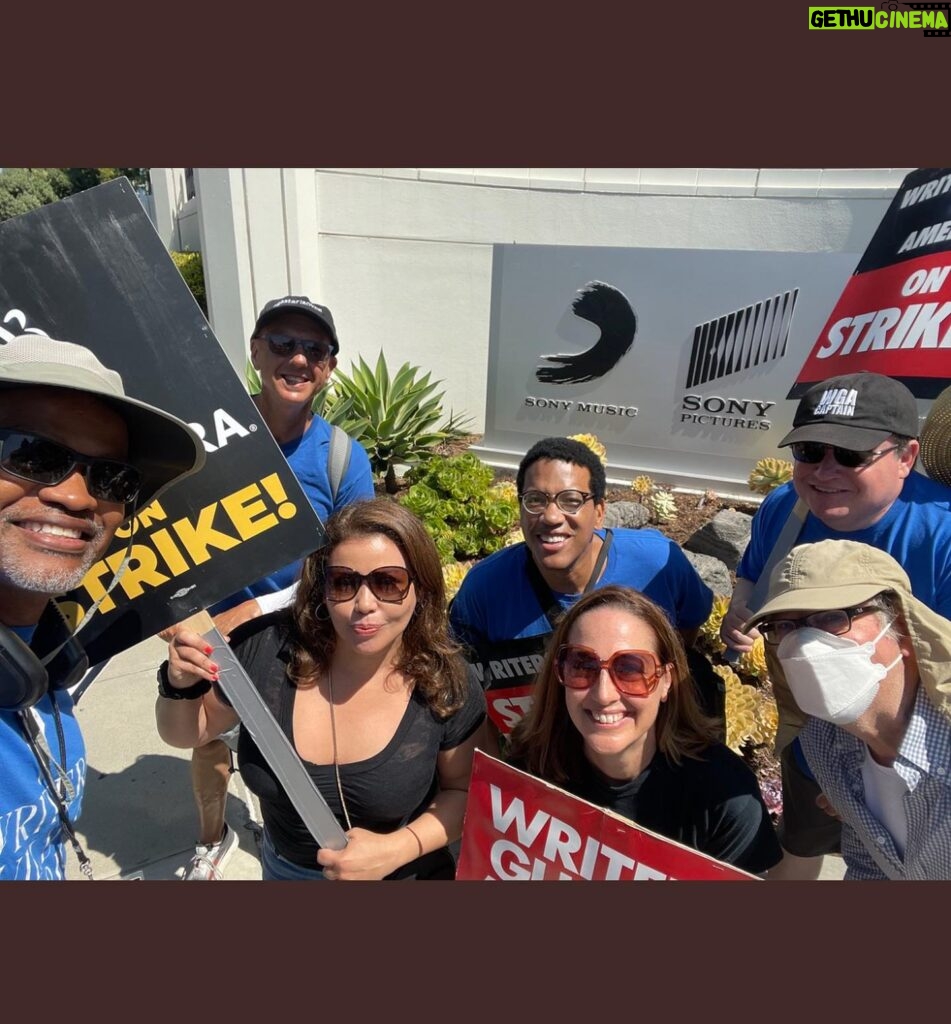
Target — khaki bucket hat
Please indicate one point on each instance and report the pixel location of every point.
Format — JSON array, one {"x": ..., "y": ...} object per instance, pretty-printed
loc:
[{"x": 162, "y": 447}]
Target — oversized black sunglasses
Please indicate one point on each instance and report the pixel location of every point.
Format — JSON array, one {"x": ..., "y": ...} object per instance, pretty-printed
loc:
[
  {"x": 635, "y": 673},
  {"x": 285, "y": 345},
  {"x": 814, "y": 452},
  {"x": 39, "y": 460},
  {"x": 389, "y": 584}
]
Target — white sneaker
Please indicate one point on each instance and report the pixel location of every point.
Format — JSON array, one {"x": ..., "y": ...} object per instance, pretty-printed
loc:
[{"x": 209, "y": 861}]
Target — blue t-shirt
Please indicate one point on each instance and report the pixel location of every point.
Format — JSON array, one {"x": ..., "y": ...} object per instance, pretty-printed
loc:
[
  {"x": 32, "y": 844},
  {"x": 496, "y": 600},
  {"x": 915, "y": 531},
  {"x": 307, "y": 457}
]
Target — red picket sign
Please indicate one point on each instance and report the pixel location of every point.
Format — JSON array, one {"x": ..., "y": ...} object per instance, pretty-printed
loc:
[{"x": 519, "y": 828}]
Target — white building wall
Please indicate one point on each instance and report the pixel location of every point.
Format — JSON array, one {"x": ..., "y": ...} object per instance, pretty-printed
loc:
[{"x": 403, "y": 256}]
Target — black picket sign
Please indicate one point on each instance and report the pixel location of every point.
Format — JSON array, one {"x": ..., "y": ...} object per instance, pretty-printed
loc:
[{"x": 91, "y": 269}]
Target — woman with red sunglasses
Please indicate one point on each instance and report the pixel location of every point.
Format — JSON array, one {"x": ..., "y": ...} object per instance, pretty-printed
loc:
[
  {"x": 616, "y": 723},
  {"x": 364, "y": 681}
]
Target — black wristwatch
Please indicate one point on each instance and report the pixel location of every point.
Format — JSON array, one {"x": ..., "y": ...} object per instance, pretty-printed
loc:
[{"x": 192, "y": 692}]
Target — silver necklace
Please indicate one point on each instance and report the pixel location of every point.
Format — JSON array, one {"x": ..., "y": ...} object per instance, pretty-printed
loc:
[{"x": 333, "y": 733}]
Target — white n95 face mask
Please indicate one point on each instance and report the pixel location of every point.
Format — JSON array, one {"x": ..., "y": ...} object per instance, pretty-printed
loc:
[{"x": 832, "y": 677}]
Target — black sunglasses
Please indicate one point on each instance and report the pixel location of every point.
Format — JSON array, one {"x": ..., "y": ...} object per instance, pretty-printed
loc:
[
  {"x": 389, "y": 584},
  {"x": 42, "y": 461},
  {"x": 285, "y": 345},
  {"x": 814, "y": 452}
]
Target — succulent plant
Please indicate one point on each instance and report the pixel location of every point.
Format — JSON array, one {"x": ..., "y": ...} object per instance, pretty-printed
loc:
[
  {"x": 642, "y": 486},
  {"x": 593, "y": 443},
  {"x": 453, "y": 574},
  {"x": 662, "y": 506},
  {"x": 710, "y": 630},
  {"x": 769, "y": 473},
  {"x": 505, "y": 491},
  {"x": 751, "y": 715},
  {"x": 753, "y": 663}
]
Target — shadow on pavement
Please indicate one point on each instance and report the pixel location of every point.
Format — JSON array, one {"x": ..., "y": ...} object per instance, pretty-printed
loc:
[{"x": 144, "y": 817}]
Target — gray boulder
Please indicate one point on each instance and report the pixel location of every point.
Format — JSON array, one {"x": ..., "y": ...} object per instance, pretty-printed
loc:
[
  {"x": 725, "y": 537},
  {"x": 628, "y": 514},
  {"x": 712, "y": 571}
]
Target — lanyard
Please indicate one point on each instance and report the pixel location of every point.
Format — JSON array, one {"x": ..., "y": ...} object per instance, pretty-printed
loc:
[
  {"x": 48, "y": 765},
  {"x": 544, "y": 593}
]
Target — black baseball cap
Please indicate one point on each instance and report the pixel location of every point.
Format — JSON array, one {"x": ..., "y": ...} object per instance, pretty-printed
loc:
[
  {"x": 298, "y": 304},
  {"x": 855, "y": 410}
]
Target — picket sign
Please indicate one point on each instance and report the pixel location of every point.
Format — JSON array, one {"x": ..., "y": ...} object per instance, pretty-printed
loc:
[{"x": 520, "y": 828}]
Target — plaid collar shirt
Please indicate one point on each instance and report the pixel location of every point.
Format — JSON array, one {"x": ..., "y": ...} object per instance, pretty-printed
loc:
[{"x": 924, "y": 762}]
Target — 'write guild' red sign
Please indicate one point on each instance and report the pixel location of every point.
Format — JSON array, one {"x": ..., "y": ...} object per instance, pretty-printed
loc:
[{"x": 519, "y": 828}]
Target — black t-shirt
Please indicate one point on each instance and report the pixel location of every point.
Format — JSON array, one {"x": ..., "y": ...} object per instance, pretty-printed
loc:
[
  {"x": 713, "y": 805},
  {"x": 383, "y": 792}
]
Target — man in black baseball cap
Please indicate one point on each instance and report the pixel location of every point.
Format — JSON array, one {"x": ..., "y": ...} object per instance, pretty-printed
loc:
[
  {"x": 854, "y": 444},
  {"x": 858, "y": 411},
  {"x": 277, "y": 308}
]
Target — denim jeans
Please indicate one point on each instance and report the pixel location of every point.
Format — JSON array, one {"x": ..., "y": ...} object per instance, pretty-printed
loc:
[{"x": 274, "y": 867}]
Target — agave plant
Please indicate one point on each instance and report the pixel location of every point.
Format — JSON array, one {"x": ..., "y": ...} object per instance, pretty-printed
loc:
[{"x": 394, "y": 417}]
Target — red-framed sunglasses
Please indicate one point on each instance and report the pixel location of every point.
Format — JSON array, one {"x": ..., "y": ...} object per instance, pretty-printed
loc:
[{"x": 635, "y": 673}]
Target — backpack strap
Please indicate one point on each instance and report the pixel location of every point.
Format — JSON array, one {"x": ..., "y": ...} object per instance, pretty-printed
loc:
[{"x": 338, "y": 459}]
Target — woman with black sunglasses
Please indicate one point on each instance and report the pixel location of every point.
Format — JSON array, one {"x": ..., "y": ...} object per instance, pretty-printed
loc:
[
  {"x": 364, "y": 681},
  {"x": 615, "y": 722}
]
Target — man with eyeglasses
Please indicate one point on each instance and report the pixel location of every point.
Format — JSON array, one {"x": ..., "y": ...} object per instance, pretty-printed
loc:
[
  {"x": 870, "y": 665},
  {"x": 294, "y": 348},
  {"x": 77, "y": 458},
  {"x": 506, "y": 607},
  {"x": 854, "y": 444}
]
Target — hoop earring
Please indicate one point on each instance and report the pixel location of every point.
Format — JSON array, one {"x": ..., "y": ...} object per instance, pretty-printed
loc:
[{"x": 325, "y": 617}]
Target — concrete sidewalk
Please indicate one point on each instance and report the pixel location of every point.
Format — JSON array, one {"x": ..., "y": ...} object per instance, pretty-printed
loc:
[{"x": 139, "y": 817}]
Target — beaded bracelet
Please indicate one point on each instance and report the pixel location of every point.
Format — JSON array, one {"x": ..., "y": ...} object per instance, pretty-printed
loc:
[{"x": 168, "y": 691}]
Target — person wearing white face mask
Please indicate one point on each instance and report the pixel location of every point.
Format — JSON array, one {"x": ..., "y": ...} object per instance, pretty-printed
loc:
[{"x": 871, "y": 667}]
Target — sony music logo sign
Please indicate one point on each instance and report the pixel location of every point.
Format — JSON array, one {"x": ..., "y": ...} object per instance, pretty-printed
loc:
[{"x": 569, "y": 404}]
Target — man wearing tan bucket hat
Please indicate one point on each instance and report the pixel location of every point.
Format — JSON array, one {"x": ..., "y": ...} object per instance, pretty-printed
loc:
[{"x": 870, "y": 665}]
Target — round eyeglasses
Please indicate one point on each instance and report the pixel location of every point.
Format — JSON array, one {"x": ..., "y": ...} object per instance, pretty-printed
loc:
[{"x": 569, "y": 501}]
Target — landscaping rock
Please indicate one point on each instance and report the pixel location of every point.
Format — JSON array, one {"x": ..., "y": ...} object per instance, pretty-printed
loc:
[
  {"x": 725, "y": 537},
  {"x": 713, "y": 572},
  {"x": 629, "y": 514}
]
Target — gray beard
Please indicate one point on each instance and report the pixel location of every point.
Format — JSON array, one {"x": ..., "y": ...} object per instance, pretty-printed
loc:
[{"x": 23, "y": 574}]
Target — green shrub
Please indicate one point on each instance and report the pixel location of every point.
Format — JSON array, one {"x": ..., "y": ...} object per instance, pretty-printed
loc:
[
  {"x": 466, "y": 516},
  {"x": 190, "y": 267}
]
